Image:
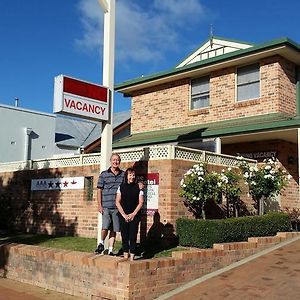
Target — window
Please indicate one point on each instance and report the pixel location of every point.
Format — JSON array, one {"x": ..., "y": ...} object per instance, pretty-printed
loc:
[
  {"x": 200, "y": 92},
  {"x": 88, "y": 188},
  {"x": 248, "y": 84}
]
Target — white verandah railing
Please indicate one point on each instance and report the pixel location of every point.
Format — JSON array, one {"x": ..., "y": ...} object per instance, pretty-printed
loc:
[{"x": 127, "y": 155}]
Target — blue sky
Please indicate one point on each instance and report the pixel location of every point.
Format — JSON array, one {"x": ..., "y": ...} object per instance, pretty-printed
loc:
[{"x": 41, "y": 39}]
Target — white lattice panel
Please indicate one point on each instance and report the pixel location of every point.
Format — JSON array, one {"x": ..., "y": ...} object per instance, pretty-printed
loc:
[
  {"x": 93, "y": 159},
  {"x": 187, "y": 154},
  {"x": 128, "y": 155},
  {"x": 161, "y": 152},
  {"x": 134, "y": 155},
  {"x": 65, "y": 162},
  {"x": 14, "y": 166}
]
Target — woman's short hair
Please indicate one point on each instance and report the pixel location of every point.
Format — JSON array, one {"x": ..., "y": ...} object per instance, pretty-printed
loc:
[{"x": 130, "y": 170}]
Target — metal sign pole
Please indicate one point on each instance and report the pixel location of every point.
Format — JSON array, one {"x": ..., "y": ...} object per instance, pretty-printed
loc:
[{"x": 108, "y": 7}]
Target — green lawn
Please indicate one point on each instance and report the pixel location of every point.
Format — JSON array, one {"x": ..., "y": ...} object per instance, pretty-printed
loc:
[{"x": 78, "y": 244}]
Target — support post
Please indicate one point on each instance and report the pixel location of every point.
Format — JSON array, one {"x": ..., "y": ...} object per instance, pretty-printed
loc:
[
  {"x": 108, "y": 7},
  {"x": 218, "y": 145}
]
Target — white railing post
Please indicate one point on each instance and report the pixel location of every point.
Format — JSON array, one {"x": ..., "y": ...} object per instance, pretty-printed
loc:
[{"x": 171, "y": 152}]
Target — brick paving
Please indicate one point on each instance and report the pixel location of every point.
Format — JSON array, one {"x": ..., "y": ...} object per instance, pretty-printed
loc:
[
  {"x": 273, "y": 276},
  {"x": 14, "y": 290}
]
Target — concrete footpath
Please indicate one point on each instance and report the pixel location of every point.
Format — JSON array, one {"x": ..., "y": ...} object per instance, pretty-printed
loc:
[
  {"x": 273, "y": 274},
  {"x": 14, "y": 290}
]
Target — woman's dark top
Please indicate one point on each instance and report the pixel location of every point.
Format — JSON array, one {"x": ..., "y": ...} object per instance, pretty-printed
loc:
[{"x": 129, "y": 197}]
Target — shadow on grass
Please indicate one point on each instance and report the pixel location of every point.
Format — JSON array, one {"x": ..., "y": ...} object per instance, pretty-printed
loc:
[
  {"x": 23, "y": 238},
  {"x": 161, "y": 240}
]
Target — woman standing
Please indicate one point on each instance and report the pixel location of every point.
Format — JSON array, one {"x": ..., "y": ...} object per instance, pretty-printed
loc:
[{"x": 129, "y": 201}]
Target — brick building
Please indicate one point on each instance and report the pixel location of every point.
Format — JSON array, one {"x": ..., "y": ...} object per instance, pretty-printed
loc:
[{"x": 227, "y": 96}]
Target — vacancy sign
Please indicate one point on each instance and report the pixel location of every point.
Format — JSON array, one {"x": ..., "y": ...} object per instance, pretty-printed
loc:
[
  {"x": 54, "y": 184},
  {"x": 80, "y": 98}
]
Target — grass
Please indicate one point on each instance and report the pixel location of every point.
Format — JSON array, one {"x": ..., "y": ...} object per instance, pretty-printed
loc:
[{"x": 78, "y": 244}]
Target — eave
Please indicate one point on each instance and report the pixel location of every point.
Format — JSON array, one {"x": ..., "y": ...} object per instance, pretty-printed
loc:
[{"x": 283, "y": 47}]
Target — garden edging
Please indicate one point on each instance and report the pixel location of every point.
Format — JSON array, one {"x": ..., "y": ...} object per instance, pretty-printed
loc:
[{"x": 103, "y": 277}]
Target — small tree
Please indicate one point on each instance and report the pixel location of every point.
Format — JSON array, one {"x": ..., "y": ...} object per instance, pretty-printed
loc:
[
  {"x": 230, "y": 189},
  {"x": 198, "y": 186},
  {"x": 265, "y": 182}
]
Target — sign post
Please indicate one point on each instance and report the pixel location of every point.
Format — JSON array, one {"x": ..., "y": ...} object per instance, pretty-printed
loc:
[{"x": 108, "y": 7}]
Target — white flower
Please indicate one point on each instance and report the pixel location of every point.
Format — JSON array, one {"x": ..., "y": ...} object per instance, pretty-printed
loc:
[
  {"x": 253, "y": 183},
  {"x": 289, "y": 177},
  {"x": 194, "y": 198},
  {"x": 219, "y": 184},
  {"x": 229, "y": 169},
  {"x": 246, "y": 175},
  {"x": 268, "y": 167},
  {"x": 189, "y": 172}
]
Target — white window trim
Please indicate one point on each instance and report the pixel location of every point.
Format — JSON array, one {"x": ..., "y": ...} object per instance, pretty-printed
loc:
[
  {"x": 190, "y": 94},
  {"x": 236, "y": 83}
]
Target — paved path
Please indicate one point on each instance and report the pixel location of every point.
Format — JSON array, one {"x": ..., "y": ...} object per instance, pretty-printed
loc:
[
  {"x": 272, "y": 276},
  {"x": 14, "y": 290}
]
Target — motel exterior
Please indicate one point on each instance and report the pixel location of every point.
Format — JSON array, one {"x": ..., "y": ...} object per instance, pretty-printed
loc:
[
  {"x": 230, "y": 97},
  {"x": 227, "y": 98}
]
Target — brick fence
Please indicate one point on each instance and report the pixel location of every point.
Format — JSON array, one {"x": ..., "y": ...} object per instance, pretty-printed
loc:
[
  {"x": 69, "y": 212},
  {"x": 103, "y": 277}
]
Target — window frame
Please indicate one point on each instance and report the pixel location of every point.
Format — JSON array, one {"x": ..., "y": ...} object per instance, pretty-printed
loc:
[
  {"x": 237, "y": 85},
  {"x": 191, "y": 102}
]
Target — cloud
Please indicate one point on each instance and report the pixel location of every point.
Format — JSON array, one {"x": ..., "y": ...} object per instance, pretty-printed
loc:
[{"x": 145, "y": 30}]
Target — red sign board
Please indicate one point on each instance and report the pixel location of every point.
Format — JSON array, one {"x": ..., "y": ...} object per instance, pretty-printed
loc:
[{"x": 80, "y": 98}]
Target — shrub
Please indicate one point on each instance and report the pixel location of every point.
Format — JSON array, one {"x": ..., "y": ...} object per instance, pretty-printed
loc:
[
  {"x": 198, "y": 187},
  {"x": 265, "y": 182},
  {"x": 204, "y": 233}
]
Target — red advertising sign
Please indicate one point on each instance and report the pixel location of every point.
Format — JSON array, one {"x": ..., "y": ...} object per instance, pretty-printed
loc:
[{"x": 80, "y": 98}]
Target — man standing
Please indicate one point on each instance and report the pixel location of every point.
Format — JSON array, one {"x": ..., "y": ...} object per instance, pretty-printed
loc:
[{"x": 107, "y": 185}]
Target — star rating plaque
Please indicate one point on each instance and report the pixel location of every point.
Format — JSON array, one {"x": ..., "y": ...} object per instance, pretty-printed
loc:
[{"x": 54, "y": 184}]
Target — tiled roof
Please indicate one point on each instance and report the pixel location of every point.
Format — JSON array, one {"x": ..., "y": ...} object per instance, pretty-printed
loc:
[{"x": 209, "y": 130}]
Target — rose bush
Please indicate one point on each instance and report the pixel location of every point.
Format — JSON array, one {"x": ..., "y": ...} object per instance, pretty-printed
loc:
[
  {"x": 265, "y": 182},
  {"x": 198, "y": 186}
]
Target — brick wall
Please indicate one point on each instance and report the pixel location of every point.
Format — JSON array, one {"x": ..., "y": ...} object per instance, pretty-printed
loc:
[
  {"x": 103, "y": 277},
  {"x": 167, "y": 105},
  {"x": 69, "y": 212}
]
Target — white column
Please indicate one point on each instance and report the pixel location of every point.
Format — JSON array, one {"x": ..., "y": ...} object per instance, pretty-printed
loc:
[
  {"x": 218, "y": 145},
  {"x": 108, "y": 7}
]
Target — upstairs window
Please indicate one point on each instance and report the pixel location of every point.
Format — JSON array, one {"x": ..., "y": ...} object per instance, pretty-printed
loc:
[
  {"x": 200, "y": 93},
  {"x": 248, "y": 84}
]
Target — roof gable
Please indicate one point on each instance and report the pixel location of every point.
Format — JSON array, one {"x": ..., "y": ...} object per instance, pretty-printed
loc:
[{"x": 213, "y": 47}]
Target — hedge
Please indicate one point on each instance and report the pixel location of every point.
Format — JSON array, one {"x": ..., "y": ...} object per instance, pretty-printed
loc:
[{"x": 204, "y": 233}]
